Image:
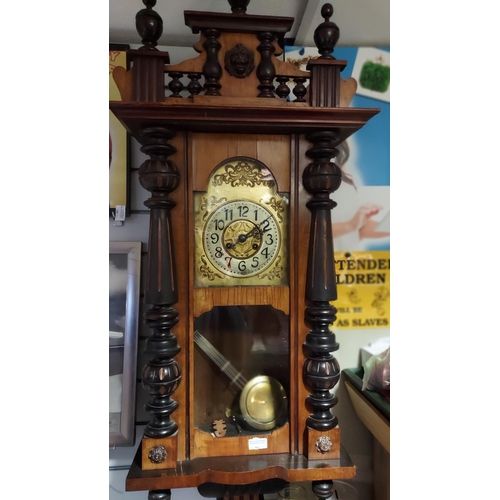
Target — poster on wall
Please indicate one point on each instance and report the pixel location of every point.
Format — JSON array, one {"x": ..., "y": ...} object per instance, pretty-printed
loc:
[
  {"x": 119, "y": 144},
  {"x": 361, "y": 219}
]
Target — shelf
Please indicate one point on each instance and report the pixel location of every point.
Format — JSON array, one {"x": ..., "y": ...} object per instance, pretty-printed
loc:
[
  {"x": 355, "y": 376},
  {"x": 239, "y": 470},
  {"x": 370, "y": 410}
]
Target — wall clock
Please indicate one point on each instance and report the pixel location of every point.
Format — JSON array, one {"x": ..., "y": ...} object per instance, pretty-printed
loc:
[{"x": 240, "y": 274}]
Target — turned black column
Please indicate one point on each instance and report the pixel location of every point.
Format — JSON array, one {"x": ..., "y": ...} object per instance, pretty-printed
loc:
[
  {"x": 160, "y": 495},
  {"x": 212, "y": 70},
  {"x": 265, "y": 69},
  {"x": 321, "y": 369},
  {"x": 322, "y": 489},
  {"x": 162, "y": 374}
]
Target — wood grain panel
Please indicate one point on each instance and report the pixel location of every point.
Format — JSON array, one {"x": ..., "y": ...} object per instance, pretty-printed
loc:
[
  {"x": 179, "y": 221},
  {"x": 208, "y": 446},
  {"x": 206, "y": 299},
  {"x": 274, "y": 151},
  {"x": 208, "y": 150}
]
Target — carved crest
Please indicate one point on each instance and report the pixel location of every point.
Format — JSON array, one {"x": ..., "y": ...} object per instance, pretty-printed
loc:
[
  {"x": 239, "y": 61},
  {"x": 242, "y": 174}
]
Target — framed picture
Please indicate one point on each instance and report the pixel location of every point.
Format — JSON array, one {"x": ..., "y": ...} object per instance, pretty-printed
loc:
[
  {"x": 124, "y": 292},
  {"x": 119, "y": 143}
]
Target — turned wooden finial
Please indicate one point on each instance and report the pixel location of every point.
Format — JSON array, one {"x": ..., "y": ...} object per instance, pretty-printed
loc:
[
  {"x": 326, "y": 34},
  {"x": 239, "y": 6},
  {"x": 149, "y": 24}
]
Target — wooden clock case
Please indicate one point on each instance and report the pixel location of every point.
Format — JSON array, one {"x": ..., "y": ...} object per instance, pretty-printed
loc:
[{"x": 233, "y": 101}]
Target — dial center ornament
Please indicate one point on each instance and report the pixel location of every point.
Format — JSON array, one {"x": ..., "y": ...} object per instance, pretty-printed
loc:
[{"x": 241, "y": 238}]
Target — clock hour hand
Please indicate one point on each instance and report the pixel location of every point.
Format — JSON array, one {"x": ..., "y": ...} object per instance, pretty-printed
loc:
[
  {"x": 254, "y": 232},
  {"x": 243, "y": 237}
]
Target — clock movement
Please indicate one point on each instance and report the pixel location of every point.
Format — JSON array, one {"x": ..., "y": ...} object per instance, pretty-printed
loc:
[{"x": 240, "y": 279}]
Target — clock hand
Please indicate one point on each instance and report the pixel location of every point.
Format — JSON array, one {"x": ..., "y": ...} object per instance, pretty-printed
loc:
[
  {"x": 243, "y": 237},
  {"x": 253, "y": 232}
]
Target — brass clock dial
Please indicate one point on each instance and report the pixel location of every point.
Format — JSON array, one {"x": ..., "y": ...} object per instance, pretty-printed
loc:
[
  {"x": 240, "y": 227},
  {"x": 241, "y": 238}
]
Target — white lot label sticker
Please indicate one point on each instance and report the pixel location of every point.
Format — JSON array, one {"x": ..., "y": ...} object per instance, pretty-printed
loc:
[{"x": 257, "y": 444}]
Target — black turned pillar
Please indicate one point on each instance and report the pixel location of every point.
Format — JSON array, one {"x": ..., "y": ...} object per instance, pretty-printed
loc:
[
  {"x": 161, "y": 376},
  {"x": 265, "y": 69},
  {"x": 321, "y": 369},
  {"x": 322, "y": 489},
  {"x": 212, "y": 70},
  {"x": 159, "y": 495}
]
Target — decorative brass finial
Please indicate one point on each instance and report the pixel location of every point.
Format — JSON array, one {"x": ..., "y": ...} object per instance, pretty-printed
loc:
[
  {"x": 149, "y": 24},
  {"x": 326, "y": 34},
  {"x": 239, "y": 6}
]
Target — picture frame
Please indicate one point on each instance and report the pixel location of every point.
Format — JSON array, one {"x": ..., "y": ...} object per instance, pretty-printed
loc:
[
  {"x": 124, "y": 295},
  {"x": 119, "y": 143}
]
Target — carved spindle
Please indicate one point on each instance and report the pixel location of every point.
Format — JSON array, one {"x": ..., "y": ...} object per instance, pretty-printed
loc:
[
  {"x": 212, "y": 70},
  {"x": 160, "y": 495},
  {"x": 300, "y": 90},
  {"x": 323, "y": 489},
  {"x": 175, "y": 84},
  {"x": 265, "y": 70},
  {"x": 194, "y": 86},
  {"x": 148, "y": 62},
  {"x": 161, "y": 375},
  {"x": 321, "y": 370},
  {"x": 239, "y": 6},
  {"x": 283, "y": 90},
  {"x": 149, "y": 25},
  {"x": 324, "y": 90}
]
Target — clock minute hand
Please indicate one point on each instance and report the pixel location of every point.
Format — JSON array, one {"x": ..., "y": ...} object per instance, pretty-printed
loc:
[
  {"x": 253, "y": 232},
  {"x": 243, "y": 237}
]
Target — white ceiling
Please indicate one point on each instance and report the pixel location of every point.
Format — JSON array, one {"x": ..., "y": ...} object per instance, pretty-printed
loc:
[{"x": 361, "y": 22}]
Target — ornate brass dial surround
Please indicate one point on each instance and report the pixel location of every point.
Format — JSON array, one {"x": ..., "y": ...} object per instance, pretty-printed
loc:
[{"x": 240, "y": 227}]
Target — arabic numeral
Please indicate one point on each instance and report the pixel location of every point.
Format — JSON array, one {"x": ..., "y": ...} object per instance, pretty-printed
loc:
[
  {"x": 229, "y": 214},
  {"x": 269, "y": 239},
  {"x": 218, "y": 252},
  {"x": 265, "y": 252},
  {"x": 266, "y": 225},
  {"x": 242, "y": 265},
  {"x": 243, "y": 211},
  {"x": 215, "y": 238},
  {"x": 255, "y": 262}
]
